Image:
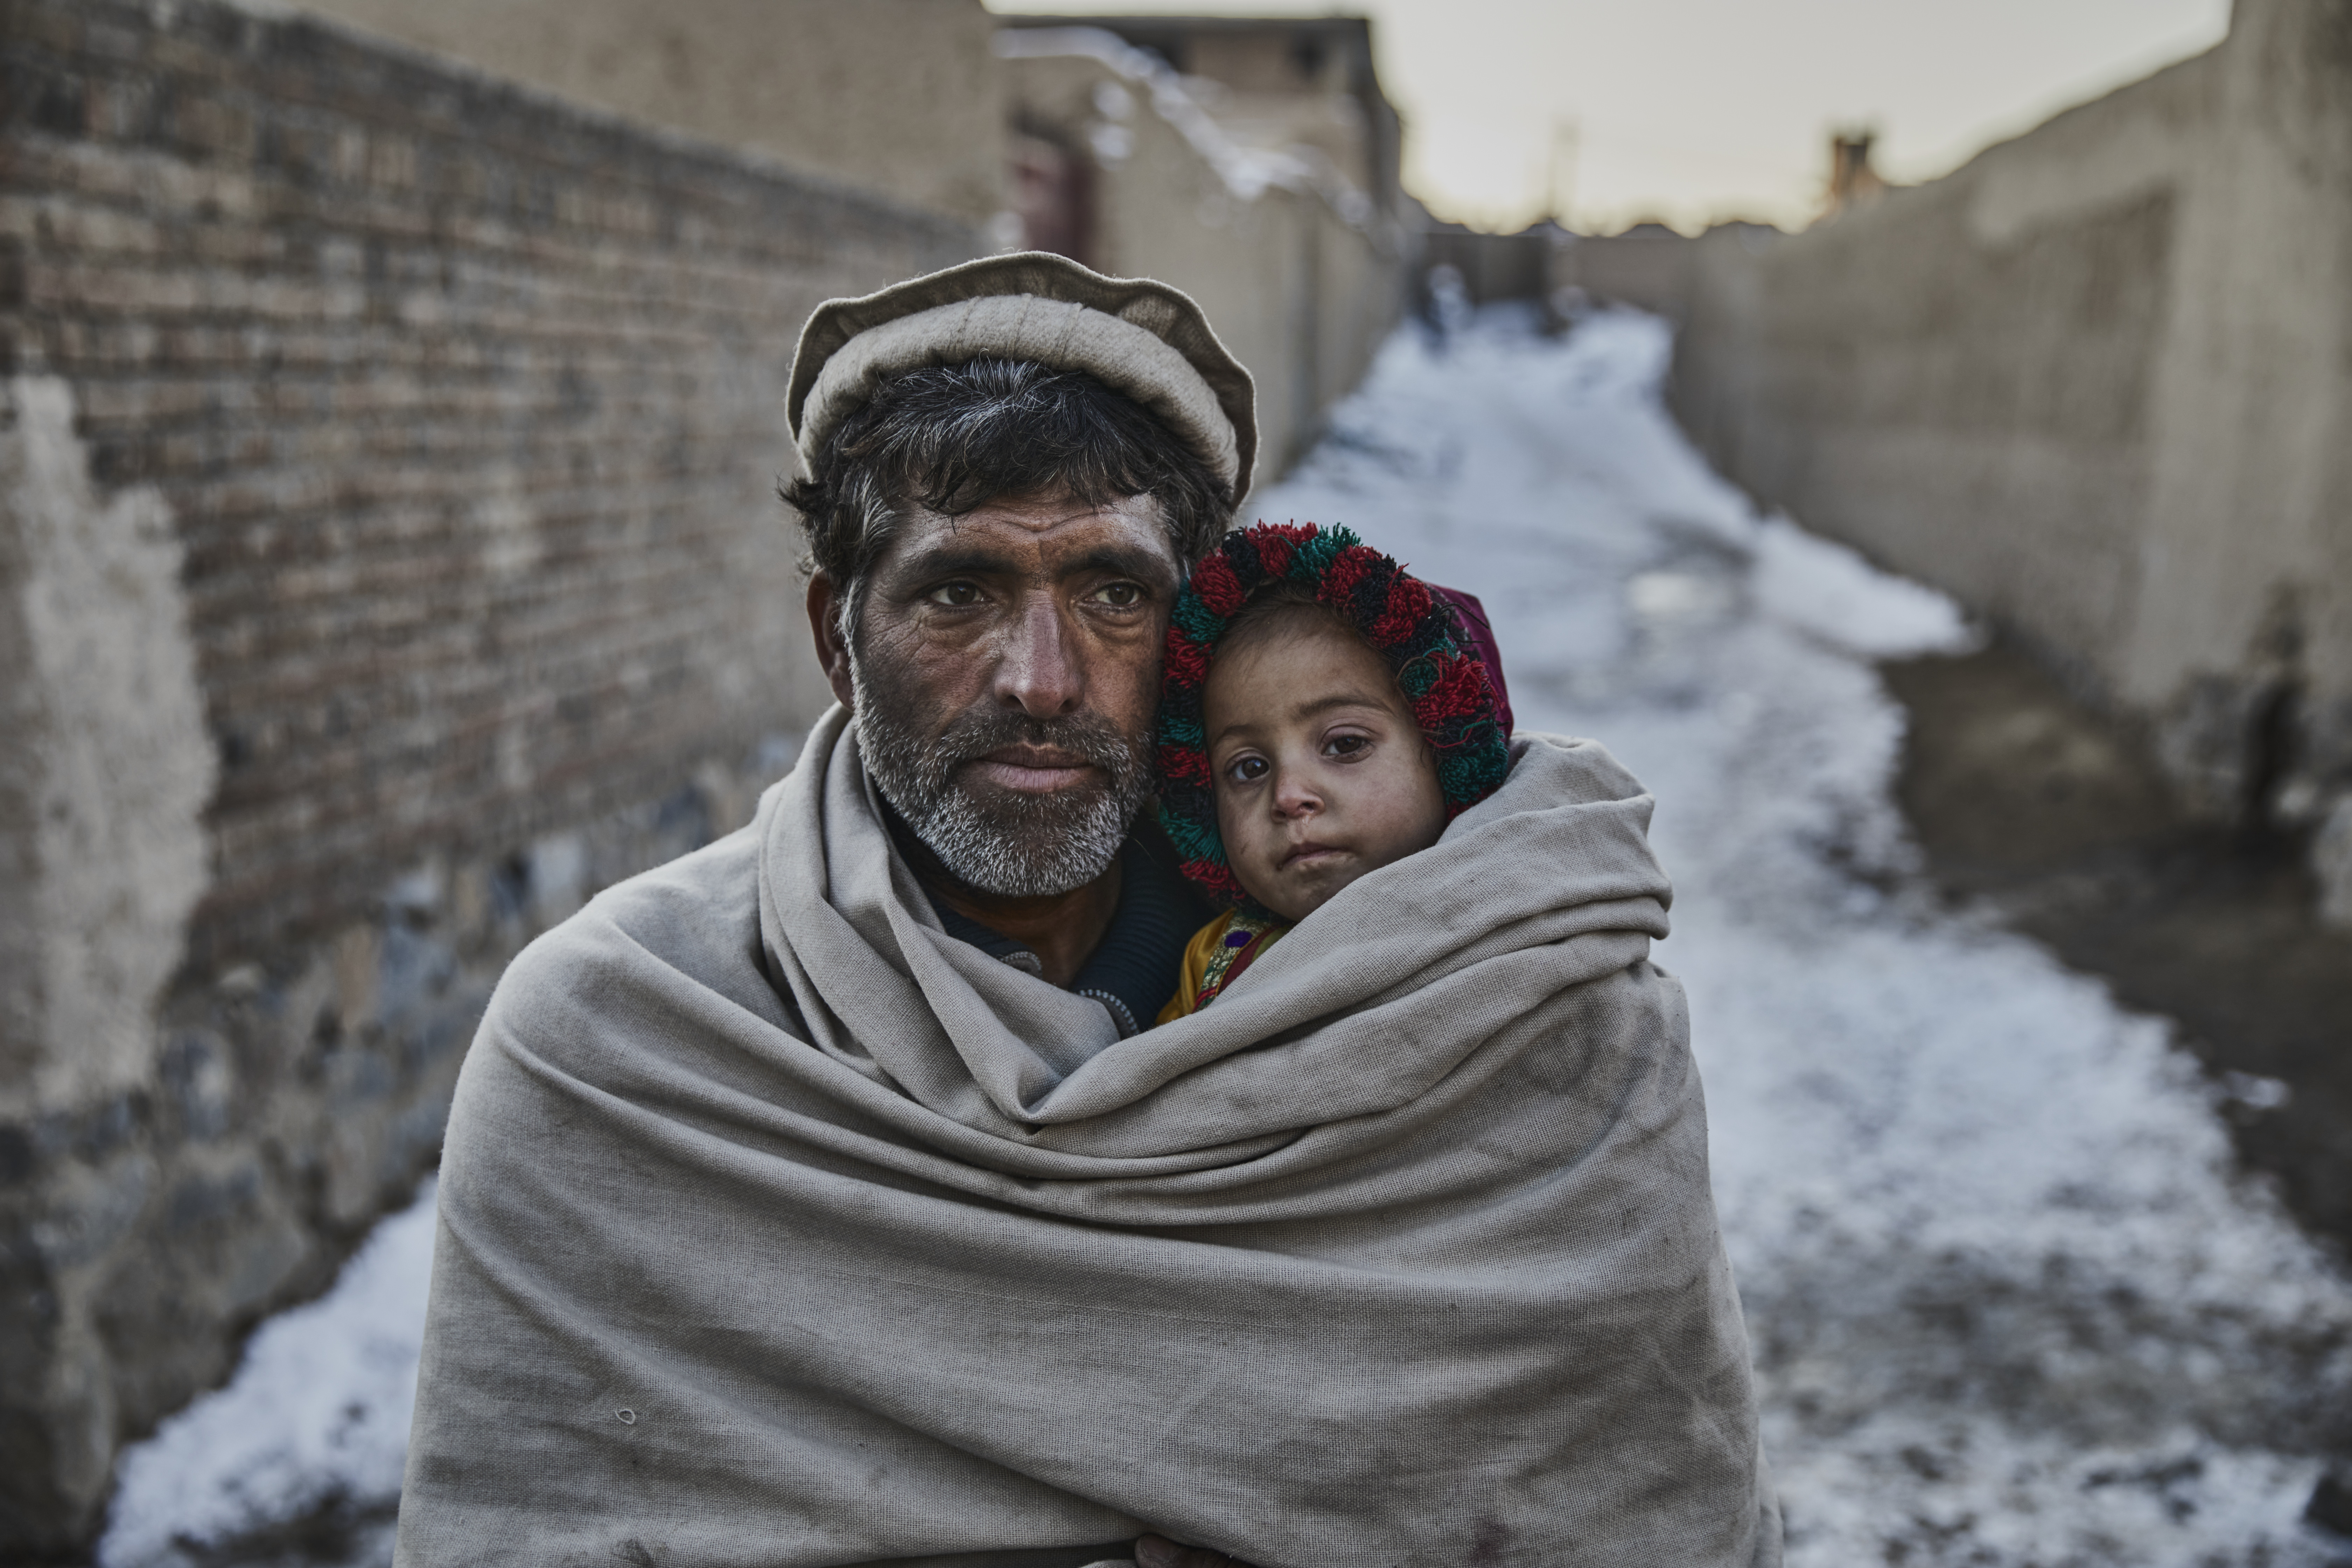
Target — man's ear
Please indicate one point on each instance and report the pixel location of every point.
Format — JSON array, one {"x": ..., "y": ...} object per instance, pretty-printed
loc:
[{"x": 824, "y": 626}]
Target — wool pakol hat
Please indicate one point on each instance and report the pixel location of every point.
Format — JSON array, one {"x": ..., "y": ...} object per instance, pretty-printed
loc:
[
  {"x": 1142, "y": 339},
  {"x": 1441, "y": 666}
]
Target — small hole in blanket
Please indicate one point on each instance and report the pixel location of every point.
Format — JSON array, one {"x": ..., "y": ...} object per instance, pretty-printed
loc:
[{"x": 628, "y": 1417}]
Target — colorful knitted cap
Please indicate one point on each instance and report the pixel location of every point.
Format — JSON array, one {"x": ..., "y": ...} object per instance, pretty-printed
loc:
[{"x": 1410, "y": 624}]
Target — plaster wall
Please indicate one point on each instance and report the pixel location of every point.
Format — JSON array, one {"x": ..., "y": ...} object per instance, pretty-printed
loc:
[
  {"x": 113, "y": 754},
  {"x": 2245, "y": 556},
  {"x": 2097, "y": 382},
  {"x": 901, "y": 97}
]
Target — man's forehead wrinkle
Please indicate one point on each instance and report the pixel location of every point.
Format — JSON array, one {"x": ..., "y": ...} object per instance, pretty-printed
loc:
[
  {"x": 1034, "y": 542},
  {"x": 1032, "y": 567},
  {"x": 1040, "y": 524},
  {"x": 1038, "y": 520}
]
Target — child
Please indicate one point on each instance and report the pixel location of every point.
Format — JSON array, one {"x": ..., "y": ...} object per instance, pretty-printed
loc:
[{"x": 1324, "y": 715}]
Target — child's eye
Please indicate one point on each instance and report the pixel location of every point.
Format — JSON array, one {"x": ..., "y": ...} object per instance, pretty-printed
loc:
[
  {"x": 1347, "y": 745},
  {"x": 1246, "y": 770}
]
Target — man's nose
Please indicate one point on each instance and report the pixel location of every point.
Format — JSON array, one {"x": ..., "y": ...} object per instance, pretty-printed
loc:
[{"x": 1040, "y": 671}]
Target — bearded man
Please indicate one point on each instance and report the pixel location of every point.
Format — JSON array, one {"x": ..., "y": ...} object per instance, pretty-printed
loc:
[
  {"x": 995, "y": 545},
  {"x": 815, "y": 1200}
]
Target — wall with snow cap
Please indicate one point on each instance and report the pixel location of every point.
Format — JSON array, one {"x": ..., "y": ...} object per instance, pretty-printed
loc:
[
  {"x": 1298, "y": 266},
  {"x": 2098, "y": 383},
  {"x": 389, "y": 558}
]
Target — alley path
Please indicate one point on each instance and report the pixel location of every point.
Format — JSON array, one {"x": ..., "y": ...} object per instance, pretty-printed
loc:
[{"x": 2011, "y": 1304}]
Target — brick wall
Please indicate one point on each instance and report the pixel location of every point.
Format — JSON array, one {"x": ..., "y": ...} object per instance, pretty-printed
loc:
[{"x": 389, "y": 557}]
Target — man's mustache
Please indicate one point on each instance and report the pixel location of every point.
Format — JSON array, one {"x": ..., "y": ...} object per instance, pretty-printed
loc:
[{"x": 1086, "y": 736}]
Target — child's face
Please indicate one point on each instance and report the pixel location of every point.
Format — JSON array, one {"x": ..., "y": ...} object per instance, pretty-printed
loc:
[{"x": 1321, "y": 774}]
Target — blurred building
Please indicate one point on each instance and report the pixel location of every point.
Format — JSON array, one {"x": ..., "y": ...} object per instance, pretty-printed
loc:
[
  {"x": 1854, "y": 181},
  {"x": 1495, "y": 267},
  {"x": 1285, "y": 87},
  {"x": 1252, "y": 163},
  {"x": 1645, "y": 265}
]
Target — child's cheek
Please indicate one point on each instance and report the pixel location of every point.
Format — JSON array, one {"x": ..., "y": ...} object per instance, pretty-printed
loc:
[
  {"x": 1228, "y": 825},
  {"x": 1233, "y": 825}
]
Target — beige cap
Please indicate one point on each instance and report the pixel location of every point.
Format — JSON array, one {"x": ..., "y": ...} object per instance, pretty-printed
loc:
[{"x": 1140, "y": 338}]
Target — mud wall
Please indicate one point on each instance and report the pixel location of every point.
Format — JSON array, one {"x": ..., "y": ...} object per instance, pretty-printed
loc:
[
  {"x": 2097, "y": 382},
  {"x": 388, "y": 558}
]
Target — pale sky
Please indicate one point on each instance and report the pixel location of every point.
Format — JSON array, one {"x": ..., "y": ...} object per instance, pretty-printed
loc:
[{"x": 1696, "y": 110}]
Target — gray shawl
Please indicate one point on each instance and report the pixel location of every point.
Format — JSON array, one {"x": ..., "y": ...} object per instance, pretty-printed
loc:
[{"x": 779, "y": 1227}]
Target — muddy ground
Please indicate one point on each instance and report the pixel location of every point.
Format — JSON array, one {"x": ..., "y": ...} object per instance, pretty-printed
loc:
[{"x": 2025, "y": 799}]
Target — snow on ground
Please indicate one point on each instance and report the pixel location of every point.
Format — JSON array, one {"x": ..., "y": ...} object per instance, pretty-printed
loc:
[
  {"x": 2010, "y": 1304},
  {"x": 318, "y": 1413}
]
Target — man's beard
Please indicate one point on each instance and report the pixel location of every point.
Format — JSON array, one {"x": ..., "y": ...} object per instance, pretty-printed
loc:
[{"x": 1009, "y": 843}]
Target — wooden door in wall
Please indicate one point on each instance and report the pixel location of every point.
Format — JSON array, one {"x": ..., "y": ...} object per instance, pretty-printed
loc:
[{"x": 1054, "y": 192}]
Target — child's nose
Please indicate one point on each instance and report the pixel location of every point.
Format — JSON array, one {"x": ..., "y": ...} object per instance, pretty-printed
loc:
[{"x": 1295, "y": 796}]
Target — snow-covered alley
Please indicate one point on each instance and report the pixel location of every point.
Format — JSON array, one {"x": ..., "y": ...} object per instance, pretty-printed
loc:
[{"x": 2009, "y": 1303}]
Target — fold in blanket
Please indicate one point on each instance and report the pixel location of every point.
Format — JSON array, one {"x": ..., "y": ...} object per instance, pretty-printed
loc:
[{"x": 779, "y": 1227}]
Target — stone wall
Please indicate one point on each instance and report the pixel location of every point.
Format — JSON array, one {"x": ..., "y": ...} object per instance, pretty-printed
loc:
[
  {"x": 2098, "y": 383},
  {"x": 389, "y": 558}
]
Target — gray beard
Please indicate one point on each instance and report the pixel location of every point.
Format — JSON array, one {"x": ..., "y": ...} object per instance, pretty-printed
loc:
[{"x": 1011, "y": 845}]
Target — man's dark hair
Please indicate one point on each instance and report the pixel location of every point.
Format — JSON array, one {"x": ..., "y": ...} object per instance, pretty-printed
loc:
[{"x": 954, "y": 437}]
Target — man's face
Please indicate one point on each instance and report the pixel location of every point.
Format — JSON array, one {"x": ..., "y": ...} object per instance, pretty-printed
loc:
[{"x": 1004, "y": 673}]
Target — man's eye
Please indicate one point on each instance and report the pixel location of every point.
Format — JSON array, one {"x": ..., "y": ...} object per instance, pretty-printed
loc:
[
  {"x": 955, "y": 595},
  {"x": 1121, "y": 595}
]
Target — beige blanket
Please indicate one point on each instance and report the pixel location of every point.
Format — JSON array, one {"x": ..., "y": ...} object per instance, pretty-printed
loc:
[{"x": 779, "y": 1227}]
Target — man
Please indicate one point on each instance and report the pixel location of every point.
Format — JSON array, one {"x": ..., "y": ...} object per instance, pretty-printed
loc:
[
  {"x": 815, "y": 1200},
  {"x": 995, "y": 547}
]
